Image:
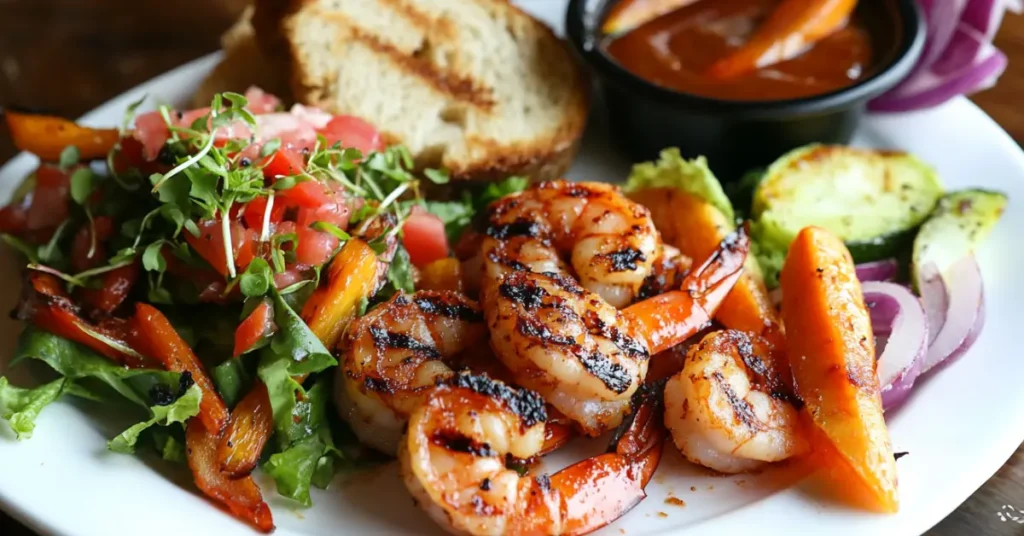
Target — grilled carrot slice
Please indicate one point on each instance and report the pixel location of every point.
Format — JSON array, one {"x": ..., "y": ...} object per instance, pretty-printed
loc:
[
  {"x": 791, "y": 29},
  {"x": 241, "y": 496},
  {"x": 46, "y": 136},
  {"x": 248, "y": 431},
  {"x": 163, "y": 344},
  {"x": 832, "y": 353}
]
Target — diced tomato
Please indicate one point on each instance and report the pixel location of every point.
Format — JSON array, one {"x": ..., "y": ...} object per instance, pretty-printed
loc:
[
  {"x": 115, "y": 286},
  {"x": 210, "y": 244},
  {"x": 352, "y": 132},
  {"x": 424, "y": 238},
  {"x": 152, "y": 132},
  {"x": 287, "y": 278},
  {"x": 314, "y": 247},
  {"x": 286, "y": 161},
  {"x": 331, "y": 212},
  {"x": 49, "y": 206},
  {"x": 81, "y": 260},
  {"x": 261, "y": 102},
  {"x": 306, "y": 194},
  {"x": 257, "y": 325},
  {"x": 256, "y": 210}
]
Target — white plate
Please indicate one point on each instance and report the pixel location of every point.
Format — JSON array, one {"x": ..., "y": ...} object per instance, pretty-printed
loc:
[{"x": 959, "y": 427}]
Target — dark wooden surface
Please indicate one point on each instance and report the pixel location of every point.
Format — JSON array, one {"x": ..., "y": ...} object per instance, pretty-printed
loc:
[{"x": 68, "y": 56}]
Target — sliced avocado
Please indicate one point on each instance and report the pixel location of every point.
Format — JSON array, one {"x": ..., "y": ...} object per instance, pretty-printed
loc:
[
  {"x": 961, "y": 221},
  {"x": 873, "y": 200}
]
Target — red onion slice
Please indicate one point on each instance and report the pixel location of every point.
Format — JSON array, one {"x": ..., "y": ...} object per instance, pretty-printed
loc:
[
  {"x": 901, "y": 338},
  {"x": 965, "y": 316},
  {"x": 883, "y": 270},
  {"x": 934, "y": 299}
]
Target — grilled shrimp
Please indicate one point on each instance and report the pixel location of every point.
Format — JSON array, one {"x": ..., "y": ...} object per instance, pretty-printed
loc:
[
  {"x": 726, "y": 411},
  {"x": 611, "y": 241},
  {"x": 453, "y": 461},
  {"x": 395, "y": 354},
  {"x": 564, "y": 341}
]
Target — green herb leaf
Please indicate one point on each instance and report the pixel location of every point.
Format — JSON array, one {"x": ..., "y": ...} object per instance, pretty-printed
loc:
[
  {"x": 69, "y": 156},
  {"x": 257, "y": 278},
  {"x": 270, "y": 147},
  {"x": 497, "y": 190},
  {"x": 233, "y": 378},
  {"x": 400, "y": 272},
  {"x": 182, "y": 409},
  {"x": 83, "y": 182},
  {"x": 334, "y": 230},
  {"x": 295, "y": 342},
  {"x": 152, "y": 259},
  {"x": 129, "y": 114},
  {"x": 169, "y": 443},
  {"x": 437, "y": 176},
  {"x": 20, "y": 407},
  {"x": 50, "y": 253}
]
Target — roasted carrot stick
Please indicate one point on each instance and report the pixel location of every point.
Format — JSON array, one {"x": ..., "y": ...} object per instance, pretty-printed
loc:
[
  {"x": 239, "y": 449},
  {"x": 46, "y": 136},
  {"x": 832, "y": 353},
  {"x": 793, "y": 27},
  {"x": 241, "y": 496},
  {"x": 163, "y": 344},
  {"x": 629, "y": 14}
]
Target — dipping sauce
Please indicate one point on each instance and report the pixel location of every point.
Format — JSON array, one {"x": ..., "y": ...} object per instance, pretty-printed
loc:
[{"x": 675, "y": 50}]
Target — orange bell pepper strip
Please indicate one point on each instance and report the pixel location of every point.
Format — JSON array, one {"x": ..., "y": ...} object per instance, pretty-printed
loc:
[
  {"x": 252, "y": 422},
  {"x": 241, "y": 496},
  {"x": 46, "y": 136},
  {"x": 114, "y": 288},
  {"x": 629, "y": 14},
  {"x": 832, "y": 353},
  {"x": 351, "y": 277},
  {"x": 792, "y": 28},
  {"x": 163, "y": 344}
]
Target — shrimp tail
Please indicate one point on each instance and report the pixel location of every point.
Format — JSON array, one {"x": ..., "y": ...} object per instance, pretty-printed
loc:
[
  {"x": 600, "y": 490},
  {"x": 673, "y": 317}
]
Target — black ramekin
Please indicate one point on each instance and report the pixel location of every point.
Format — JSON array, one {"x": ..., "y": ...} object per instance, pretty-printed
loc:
[{"x": 737, "y": 136}]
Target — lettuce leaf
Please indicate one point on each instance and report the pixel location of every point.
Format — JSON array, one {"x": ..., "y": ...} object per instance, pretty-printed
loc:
[
  {"x": 302, "y": 435},
  {"x": 20, "y": 407},
  {"x": 179, "y": 411},
  {"x": 459, "y": 215},
  {"x": 673, "y": 171},
  {"x": 76, "y": 362},
  {"x": 307, "y": 449}
]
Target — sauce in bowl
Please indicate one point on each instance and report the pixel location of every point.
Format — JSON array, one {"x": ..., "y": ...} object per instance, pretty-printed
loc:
[{"x": 675, "y": 50}]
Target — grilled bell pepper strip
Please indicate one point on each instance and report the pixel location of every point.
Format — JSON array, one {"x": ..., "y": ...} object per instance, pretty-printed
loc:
[
  {"x": 46, "y": 136},
  {"x": 249, "y": 429},
  {"x": 832, "y": 354},
  {"x": 241, "y": 496},
  {"x": 350, "y": 278},
  {"x": 162, "y": 343}
]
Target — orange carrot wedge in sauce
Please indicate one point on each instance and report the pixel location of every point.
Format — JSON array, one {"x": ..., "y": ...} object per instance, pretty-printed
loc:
[
  {"x": 629, "y": 14},
  {"x": 832, "y": 352},
  {"x": 793, "y": 27}
]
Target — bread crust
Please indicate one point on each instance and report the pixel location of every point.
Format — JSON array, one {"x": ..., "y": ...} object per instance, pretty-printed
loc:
[{"x": 548, "y": 156}]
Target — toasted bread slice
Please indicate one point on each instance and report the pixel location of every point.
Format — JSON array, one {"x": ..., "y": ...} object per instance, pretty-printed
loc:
[
  {"x": 475, "y": 86},
  {"x": 243, "y": 66}
]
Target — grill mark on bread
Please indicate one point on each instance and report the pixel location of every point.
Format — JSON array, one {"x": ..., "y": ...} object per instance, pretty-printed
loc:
[{"x": 446, "y": 81}]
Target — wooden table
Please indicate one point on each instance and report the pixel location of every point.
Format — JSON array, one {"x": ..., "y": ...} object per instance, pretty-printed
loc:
[{"x": 68, "y": 56}]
